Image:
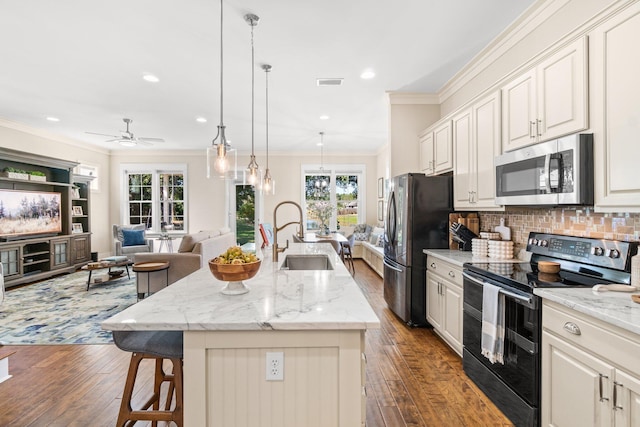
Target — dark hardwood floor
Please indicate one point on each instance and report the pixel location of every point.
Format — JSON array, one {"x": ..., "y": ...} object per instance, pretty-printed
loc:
[{"x": 413, "y": 379}]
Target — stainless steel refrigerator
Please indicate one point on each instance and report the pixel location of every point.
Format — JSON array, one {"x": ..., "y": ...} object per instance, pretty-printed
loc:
[{"x": 417, "y": 218}]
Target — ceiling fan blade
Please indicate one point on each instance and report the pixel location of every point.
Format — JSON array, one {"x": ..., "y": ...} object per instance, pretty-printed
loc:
[
  {"x": 102, "y": 134},
  {"x": 143, "y": 142},
  {"x": 150, "y": 139}
]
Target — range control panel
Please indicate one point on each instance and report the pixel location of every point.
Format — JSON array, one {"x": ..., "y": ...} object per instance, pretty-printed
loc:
[{"x": 614, "y": 254}]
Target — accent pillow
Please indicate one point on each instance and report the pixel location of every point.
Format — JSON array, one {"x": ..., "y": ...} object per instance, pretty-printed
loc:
[
  {"x": 360, "y": 228},
  {"x": 132, "y": 237},
  {"x": 373, "y": 239},
  {"x": 380, "y": 242},
  {"x": 360, "y": 236},
  {"x": 190, "y": 240},
  {"x": 377, "y": 230}
]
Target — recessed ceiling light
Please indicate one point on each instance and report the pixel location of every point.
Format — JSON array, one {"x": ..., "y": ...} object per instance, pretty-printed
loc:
[
  {"x": 367, "y": 74},
  {"x": 53, "y": 119},
  {"x": 324, "y": 117},
  {"x": 201, "y": 120},
  {"x": 151, "y": 78}
]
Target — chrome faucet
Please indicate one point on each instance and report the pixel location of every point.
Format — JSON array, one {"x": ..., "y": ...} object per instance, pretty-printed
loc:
[{"x": 277, "y": 249}]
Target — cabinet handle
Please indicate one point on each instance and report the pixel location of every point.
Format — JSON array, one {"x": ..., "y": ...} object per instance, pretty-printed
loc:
[
  {"x": 538, "y": 126},
  {"x": 469, "y": 192},
  {"x": 615, "y": 396},
  {"x": 432, "y": 265},
  {"x": 531, "y": 134},
  {"x": 452, "y": 274},
  {"x": 572, "y": 328},
  {"x": 602, "y": 399}
]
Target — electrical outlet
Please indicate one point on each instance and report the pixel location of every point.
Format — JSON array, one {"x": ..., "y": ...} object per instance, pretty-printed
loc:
[{"x": 275, "y": 366}]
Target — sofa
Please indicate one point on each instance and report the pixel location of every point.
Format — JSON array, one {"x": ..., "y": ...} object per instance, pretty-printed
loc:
[
  {"x": 194, "y": 252},
  {"x": 367, "y": 244}
]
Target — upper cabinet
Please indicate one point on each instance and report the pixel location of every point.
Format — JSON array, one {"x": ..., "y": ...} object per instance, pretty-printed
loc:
[
  {"x": 615, "y": 91},
  {"x": 436, "y": 149},
  {"x": 476, "y": 141},
  {"x": 548, "y": 101}
]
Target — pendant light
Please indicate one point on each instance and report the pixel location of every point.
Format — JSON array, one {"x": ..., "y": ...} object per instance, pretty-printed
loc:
[
  {"x": 321, "y": 183},
  {"x": 252, "y": 168},
  {"x": 268, "y": 186},
  {"x": 219, "y": 149}
]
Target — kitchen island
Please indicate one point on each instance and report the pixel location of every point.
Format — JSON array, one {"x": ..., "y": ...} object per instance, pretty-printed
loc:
[{"x": 315, "y": 318}]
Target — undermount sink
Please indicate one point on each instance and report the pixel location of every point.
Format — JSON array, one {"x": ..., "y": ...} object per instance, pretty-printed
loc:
[{"x": 306, "y": 262}]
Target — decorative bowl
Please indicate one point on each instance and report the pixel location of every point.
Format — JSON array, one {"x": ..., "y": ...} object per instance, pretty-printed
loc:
[
  {"x": 234, "y": 274},
  {"x": 548, "y": 267}
]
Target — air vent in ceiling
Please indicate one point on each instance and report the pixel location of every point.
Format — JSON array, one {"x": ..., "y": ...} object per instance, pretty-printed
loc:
[{"x": 330, "y": 82}]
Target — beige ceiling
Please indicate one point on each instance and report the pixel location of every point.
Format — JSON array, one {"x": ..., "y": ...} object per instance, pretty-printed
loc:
[{"x": 83, "y": 61}]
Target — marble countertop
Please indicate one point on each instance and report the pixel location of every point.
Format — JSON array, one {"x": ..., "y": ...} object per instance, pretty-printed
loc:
[
  {"x": 615, "y": 308},
  {"x": 278, "y": 300},
  {"x": 460, "y": 257}
]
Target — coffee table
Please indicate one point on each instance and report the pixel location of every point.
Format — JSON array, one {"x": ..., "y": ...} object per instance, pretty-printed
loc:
[{"x": 101, "y": 265}]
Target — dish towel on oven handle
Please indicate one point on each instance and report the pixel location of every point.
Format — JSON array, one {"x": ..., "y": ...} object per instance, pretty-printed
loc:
[{"x": 492, "y": 343}]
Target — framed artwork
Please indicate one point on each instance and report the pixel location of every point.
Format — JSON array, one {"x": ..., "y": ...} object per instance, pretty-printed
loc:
[
  {"x": 76, "y": 228},
  {"x": 380, "y": 188},
  {"x": 75, "y": 193},
  {"x": 77, "y": 211},
  {"x": 380, "y": 210}
]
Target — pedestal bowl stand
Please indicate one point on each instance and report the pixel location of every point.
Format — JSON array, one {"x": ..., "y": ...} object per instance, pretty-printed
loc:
[{"x": 234, "y": 274}]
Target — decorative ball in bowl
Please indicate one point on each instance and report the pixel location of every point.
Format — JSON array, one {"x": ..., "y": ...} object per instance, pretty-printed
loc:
[{"x": 235, "y": 266}]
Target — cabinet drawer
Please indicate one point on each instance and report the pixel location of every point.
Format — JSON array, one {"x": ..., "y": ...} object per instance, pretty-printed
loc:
[
  {"x": 444, "y": 269},
  {"x": 611, "y": 342}
]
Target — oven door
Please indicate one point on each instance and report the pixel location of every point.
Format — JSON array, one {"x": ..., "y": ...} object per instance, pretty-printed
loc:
[{"x": 521, "y": 368}]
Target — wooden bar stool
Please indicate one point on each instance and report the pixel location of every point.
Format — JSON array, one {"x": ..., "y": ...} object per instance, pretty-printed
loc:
[
  {"x": 157, "y": 345},
  {"x": 347, "y": 256}
]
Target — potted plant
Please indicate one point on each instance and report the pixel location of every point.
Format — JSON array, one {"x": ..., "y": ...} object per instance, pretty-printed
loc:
[
  {"x": 37, "y": 176},
  {"x": 14, "y": 173}
]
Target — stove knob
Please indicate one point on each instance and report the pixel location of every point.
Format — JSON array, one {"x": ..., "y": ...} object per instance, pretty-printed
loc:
[
  {"x": 532, "y": 241},
  {"x": 597, "y": 251},
  {"x": 613, "y": 253},
  {"x": 543, "y": 243}
]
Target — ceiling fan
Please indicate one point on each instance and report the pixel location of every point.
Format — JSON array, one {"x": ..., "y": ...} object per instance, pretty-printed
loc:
[{"x": 127, "y": 138}]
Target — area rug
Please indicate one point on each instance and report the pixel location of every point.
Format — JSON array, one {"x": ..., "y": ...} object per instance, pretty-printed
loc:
[{"x": 62, "y": 311}]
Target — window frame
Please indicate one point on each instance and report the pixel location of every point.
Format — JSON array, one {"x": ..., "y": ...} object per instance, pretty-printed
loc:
[
  {"x": 155, "y": 171},
  {"x": 332, "y": 170}
]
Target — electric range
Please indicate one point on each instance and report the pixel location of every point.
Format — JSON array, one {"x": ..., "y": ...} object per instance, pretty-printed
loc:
[{"x": 584, "y": 262}]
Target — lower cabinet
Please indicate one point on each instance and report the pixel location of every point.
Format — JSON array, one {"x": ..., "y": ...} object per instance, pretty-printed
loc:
[
  {"x": 444, "y": 301},
  {"x": 589, "y": 371},
  {"x": 60, "y": 250},
  {"x": 373, "y": 257},
  {"x": 81, "y": 249}
]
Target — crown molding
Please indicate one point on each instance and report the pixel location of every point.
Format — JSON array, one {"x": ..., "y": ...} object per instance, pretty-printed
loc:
[
  {"x": 50, "y": 136},
  {"x": 408, "y": 98},
  {"x": 527, "y": 22}
]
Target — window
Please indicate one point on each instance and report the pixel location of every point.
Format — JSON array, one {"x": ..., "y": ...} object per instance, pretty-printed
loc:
[
  {"x": 155, "y": 197},
  {"x": 342, "y": 187}
]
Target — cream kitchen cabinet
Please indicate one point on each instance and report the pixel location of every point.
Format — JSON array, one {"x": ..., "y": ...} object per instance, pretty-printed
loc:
[
  {"x": 615, "y": 116},
  {"x": 548, "y": 101},
  {"x": 589, "y": 371},
  {"x": 476, "y": 141},
  {"x": 436, "y": 149},
  {"x": 444, "y": 301}
]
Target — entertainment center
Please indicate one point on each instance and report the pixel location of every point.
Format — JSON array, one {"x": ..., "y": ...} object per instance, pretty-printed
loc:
[{"x": 45, "y": 226}]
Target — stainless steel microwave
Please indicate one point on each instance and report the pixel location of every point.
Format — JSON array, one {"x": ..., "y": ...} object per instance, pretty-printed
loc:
[{"x": 557, "y": 172}]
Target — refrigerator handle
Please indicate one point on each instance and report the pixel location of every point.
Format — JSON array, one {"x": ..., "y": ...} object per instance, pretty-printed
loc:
[
  {"x": 391, "y": 266},
  {"x": 391, "y": 218}
]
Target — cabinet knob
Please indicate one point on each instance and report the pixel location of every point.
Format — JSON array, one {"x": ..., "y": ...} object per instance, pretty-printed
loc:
[
  {"x": 432, "y": 265},
  {"x": 452, "y": 274},
  {"x": 572, "y": 328}
]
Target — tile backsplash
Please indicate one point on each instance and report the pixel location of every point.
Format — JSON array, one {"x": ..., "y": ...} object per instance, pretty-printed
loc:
[{"x": 573, "y": 221}]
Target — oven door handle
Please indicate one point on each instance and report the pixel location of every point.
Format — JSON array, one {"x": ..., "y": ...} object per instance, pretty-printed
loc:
[{"x": 527, "y": 300}]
